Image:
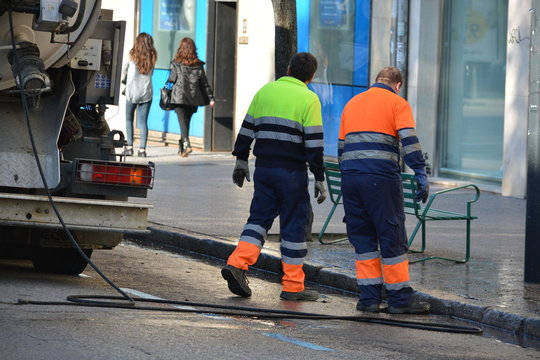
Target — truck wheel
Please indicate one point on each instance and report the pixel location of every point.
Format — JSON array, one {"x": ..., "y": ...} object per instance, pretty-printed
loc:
[{"x": 59, "y": 260}]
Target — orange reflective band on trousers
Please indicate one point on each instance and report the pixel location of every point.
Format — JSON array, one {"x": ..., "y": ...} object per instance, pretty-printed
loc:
[
  {"x": 244, "y": 255},
  {"x": 293, "y": 278},
  {"x": 368, "y": 269},
  {"x": 397, "y": 273}
]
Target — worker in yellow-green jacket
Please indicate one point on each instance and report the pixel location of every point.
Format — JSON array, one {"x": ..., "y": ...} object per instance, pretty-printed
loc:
[{"x": 285, "y": 120}]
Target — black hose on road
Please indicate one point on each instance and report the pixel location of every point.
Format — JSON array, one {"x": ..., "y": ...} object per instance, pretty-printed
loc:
[{"x": 115, "y": 302}]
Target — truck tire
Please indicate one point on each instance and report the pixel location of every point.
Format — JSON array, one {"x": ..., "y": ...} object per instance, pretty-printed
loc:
[{"x": 59, "y": 260}]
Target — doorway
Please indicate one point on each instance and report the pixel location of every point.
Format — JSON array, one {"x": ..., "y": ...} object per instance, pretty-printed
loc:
[{"x": 221, "y": 74}]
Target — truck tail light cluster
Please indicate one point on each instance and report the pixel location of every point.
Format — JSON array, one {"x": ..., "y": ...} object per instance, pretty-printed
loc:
[{"x": 114, "y": 173}]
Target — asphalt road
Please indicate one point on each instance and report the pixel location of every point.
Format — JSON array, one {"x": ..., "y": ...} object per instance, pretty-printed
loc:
[{"x": 67, "y": 332}]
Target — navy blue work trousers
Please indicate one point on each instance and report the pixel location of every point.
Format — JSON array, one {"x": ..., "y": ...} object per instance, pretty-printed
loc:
[
  {"x": 375, "y": 222},
  {"x": 282, "y": 192}
]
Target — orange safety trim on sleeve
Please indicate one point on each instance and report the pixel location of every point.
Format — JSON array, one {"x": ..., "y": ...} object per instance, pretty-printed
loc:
[
  {"x": 397, "y": 273},
  {"x": 368, "y": 269},
  {"x": 293, "y": 277},
  {"x": 244, "y": 255},
  {"x": 376, "y": 110}
]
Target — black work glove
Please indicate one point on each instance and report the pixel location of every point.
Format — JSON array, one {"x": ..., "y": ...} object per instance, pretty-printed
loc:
[{"x": 240, "y": 172}]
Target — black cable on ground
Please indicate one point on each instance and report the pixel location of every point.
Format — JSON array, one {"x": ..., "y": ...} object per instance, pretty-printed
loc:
[
  {"x": 128, "y": 302},
  {"x": 113, "y": 302}
]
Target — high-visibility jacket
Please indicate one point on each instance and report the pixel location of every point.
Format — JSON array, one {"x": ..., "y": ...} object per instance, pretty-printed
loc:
[
  {"x": 372, "y": 124},
  {"x": 285, "y": 119}
]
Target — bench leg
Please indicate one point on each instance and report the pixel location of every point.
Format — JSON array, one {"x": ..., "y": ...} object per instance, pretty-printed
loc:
[
  {"x": 326, "y": 224},
  {"x": 467, "y": 249},
  {"x": 421, "y": 223},
  {"x": 468, "y": 242}
]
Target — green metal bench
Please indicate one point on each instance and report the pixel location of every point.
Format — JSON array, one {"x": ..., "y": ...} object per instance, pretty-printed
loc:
[{"x": 423, "y": 213}]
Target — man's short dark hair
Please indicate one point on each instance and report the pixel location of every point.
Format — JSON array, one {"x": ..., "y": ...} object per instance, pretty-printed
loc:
[
  {"x": 389, "y": 75},
  {"x": 303, "y": 66}
]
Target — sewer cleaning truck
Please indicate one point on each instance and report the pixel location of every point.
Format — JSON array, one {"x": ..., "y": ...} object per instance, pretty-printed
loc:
[{"x": 60, "y": 68}]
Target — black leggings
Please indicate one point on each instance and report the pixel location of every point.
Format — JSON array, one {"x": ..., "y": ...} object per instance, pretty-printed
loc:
[{"x": 184, "y": 114}]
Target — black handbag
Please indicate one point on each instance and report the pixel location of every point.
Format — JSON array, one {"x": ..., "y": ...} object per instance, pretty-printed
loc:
[{"x": 165, "y": 98}]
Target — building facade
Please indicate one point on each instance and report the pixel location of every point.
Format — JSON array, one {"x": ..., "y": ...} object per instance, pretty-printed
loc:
[
  {"x": 468, "y": 83},
  {"x": 466, "y": 64}
]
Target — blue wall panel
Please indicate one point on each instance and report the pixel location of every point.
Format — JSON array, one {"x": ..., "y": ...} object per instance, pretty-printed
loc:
[
  {"x": 361, "y": 41},
  {"x": 147, "y": 14},
  {"x": 302, "y": 15}
]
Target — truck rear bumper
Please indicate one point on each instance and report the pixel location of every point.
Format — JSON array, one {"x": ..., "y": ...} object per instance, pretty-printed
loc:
[{"x": 78, "y": 213}]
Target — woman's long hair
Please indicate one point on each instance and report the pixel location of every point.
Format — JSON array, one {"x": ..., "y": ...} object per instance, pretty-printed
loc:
[
  {"x": 187, "y": 53},
  {"x": 143, "y": 53}
]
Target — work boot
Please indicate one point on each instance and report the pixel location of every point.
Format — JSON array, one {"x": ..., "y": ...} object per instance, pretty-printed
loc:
[
  {"x": 237, "y": 281},
  {"x": 372, "y": 308},
  {"x": 414, "y": 308},
  {"x": 186, "y": 148},
  {"x": 304, "y": 295}
]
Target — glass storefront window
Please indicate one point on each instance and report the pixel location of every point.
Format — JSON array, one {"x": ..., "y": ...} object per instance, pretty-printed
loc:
[
  {"x": 337, "y": 34},
  {"x": 332, "y": 40},
  {"x": 173, "y": 20},
  {"x": 473, "y": 84}
]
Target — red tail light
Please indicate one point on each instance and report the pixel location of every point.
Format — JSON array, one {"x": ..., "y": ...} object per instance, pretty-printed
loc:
[{"x": 115, "y": 173}]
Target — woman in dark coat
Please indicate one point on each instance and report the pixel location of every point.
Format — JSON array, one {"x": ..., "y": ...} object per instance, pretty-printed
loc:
[{"x": 190, "y": 89}]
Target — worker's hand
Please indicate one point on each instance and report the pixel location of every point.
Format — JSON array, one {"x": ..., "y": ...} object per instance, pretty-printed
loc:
[
  {"x": 320, "y": 191},
  {"x": 240, "y": 172},
  {"x": 422, "y": 187}
]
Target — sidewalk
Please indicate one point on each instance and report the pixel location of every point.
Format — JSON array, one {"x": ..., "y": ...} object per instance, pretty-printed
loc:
[{"x": 198, "y": 208}]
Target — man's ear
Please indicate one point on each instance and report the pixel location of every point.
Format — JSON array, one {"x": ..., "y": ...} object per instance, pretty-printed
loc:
[{"x": 398, "y": 86}]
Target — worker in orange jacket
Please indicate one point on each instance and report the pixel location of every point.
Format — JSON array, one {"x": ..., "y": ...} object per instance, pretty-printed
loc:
[{"x": 373, "y": 124}]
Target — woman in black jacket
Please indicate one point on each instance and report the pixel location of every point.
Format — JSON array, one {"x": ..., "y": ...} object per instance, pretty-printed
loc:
[{"x": 190, "y": 89}]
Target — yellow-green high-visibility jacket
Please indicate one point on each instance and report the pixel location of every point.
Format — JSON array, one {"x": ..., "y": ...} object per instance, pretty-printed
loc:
[{"x": 285, "y": 120}]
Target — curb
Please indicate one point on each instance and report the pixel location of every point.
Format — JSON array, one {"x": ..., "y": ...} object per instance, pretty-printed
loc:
[{"x": 220, "y": 248}]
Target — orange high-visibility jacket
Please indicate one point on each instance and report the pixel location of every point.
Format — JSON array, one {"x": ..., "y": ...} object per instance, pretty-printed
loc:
[{"x": 372, "y": 124}]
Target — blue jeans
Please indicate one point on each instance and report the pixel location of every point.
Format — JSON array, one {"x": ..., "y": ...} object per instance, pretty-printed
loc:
[{"x": 142, "y": 117}]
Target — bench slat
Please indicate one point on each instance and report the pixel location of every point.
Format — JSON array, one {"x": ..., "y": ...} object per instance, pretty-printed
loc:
[
  {"x": 408, "y": 186},
  {"x": 333, "y": 182},
  {"x": 411, "y": 205}
]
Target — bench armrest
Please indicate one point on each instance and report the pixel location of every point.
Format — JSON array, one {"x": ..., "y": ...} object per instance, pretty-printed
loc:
[{"x": 433, "y": 196}]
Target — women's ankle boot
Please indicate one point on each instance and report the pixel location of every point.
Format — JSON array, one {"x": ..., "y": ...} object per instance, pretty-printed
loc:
[
  {"x": 186, "y": 148},
  {"x": 180, "y": 148}
]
